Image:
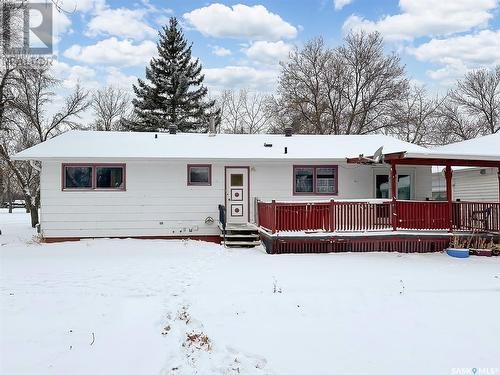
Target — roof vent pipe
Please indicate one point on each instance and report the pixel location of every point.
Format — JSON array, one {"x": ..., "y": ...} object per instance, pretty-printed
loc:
[
  {"x": 288, "y": 131},
  {"x": 172, "y": 129}
]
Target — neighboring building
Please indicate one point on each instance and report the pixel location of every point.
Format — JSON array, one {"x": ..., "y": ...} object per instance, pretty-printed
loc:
[
  {"x": 438, "y": 184},
  {"x": 472, "y": 183},
  {"x": 123, "y": 184}
]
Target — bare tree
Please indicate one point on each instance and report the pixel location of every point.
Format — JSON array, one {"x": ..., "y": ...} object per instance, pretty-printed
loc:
[
  {"x": 243, "y": 112},
  {"x": 455, "y": 124},
  {"x": 255, "y": 118},
  {"x": 415, "y": 117},
  {"x": 302, "y": 93},
  {"x": 478, "y": 96},
  {"x": 230, "y": 103},
  {"x": 31, "y": 124},
  {"x": 110, "y": 105},
  {"x": 11, "y": 33},
  {"x": 347, "y": 90}
]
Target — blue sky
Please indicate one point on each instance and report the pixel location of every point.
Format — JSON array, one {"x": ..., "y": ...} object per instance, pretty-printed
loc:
[{"x": 241, "y": 43}]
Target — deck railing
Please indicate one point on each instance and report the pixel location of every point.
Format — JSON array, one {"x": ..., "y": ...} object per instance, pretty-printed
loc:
[
  {"x": 378, "y": 215},
  {"x": 327, "y": 216},
  {"x": 422, "y": 215},
  {"x": 484, "y": 216}
]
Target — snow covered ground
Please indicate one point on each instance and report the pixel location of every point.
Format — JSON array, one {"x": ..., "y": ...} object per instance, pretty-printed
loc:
[{"x": 174, "y": 307}]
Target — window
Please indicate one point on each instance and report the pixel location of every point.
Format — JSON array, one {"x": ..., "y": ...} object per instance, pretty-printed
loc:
[
  {"x": 78, "y": 177},
  {"x": 304, "y": 180},
  {"x": 325, "y": 180},
  {"x": 109, "y": 177},
  {"x": 93, "y": 176},
  {"x": 237, "y": 179},
  {"x": 382, "y": 186},
  {"x": 200, "y": 175},
  {"x": 309, "y": 180},
  {"x": 404, "y": 186}
]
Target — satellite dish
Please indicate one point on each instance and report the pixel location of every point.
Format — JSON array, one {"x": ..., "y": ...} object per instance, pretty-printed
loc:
[
  {"x": 378, "y": 155},
  {"x": 377, "y": 158}
]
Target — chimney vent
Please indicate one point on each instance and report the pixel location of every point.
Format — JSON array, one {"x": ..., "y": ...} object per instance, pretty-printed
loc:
[
  {"x": 172, "y": 129},
  {"x": 288, "y": 131},
  {"x": 156, "y": 136},
  {"x": 211, "y": 125}
]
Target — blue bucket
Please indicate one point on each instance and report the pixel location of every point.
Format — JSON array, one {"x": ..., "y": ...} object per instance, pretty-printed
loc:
[{"x": 458, "y": 253}]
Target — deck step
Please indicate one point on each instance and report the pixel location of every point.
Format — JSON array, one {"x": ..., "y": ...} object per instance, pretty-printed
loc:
[
  {"x": 242, "y": 243},
  {"x": 240, "y": 235},
  {"x": 240, "y": 227},
  {"x": 244, "y": 235}
]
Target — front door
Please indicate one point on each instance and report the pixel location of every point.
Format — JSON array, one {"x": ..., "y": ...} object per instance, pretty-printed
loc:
[{"x": 237, "y": 195}]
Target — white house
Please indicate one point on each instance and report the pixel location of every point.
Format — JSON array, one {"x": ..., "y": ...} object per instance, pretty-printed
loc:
[{"x": 123, "y": 184}]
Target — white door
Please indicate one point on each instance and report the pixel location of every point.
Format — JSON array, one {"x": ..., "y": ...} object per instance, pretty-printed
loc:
[{"x": 237, "y": 195}]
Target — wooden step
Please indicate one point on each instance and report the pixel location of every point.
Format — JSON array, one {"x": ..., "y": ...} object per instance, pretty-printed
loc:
[
  {"x": 240, "y": 228},
  {"x": 242, "y": 243},
  {"x": 245, "y": 235}
]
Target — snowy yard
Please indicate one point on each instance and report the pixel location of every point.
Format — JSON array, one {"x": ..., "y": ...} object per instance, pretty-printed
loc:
[{"x": 173, "y": 307}]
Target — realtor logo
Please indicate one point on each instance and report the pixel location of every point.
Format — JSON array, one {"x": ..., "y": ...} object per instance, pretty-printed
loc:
[
  {"x": 476, "y": 371},
  {"x": 27, "y": 28}
]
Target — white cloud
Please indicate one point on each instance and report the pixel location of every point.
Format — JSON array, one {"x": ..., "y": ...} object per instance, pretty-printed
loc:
[
  {"x": 240, "y": 21},
  {"x": 61, "y": 22},
  {"x": 122, "y": 22},
  {"x": 268, "y": 52},
  {"x": 82, "y": 5},
  {"x": 339, "y": 4},
  {"x": 220, "y": 51},
  {"x": 70, "y": 76},
  {"x": 428, "y": 17},
  {"x": 113, "y": 51},
  {"x": 459, "y": 54},
  {"x": 238, "y": 77},
  {"x": 160, "y": 14},
  {"x": 116, "y": 78},
  {"x": 482, "y": 48},
  {"x": 448, "y": 75}
]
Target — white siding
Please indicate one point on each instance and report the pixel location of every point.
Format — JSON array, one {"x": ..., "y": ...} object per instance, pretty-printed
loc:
[
  {"x": 471, "y": 184},
  {"x": 158, "y": 201}
]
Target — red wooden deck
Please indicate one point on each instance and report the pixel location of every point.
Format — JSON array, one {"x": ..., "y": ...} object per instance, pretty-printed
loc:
[
  {"x": 338, "y": 216},
  {"x": 405, "y": 226}
]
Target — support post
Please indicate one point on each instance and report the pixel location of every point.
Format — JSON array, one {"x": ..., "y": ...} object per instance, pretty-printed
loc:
[
  {"x": 498, "y": 173},
  {"x": 394, "y": 193},
  {"x": 448, "y": 173},
  {"x": 332, "y": 215},
  {"x": 273, "y": 216}
]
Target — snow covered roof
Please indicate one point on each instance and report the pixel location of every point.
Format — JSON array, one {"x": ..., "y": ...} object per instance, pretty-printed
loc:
[
  {"x": 128, "y": 145},
  {"x": 482, "y": 148}
]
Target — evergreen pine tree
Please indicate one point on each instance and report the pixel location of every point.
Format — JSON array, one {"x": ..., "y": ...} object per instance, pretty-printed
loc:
[{"x": 173, "y": 92}]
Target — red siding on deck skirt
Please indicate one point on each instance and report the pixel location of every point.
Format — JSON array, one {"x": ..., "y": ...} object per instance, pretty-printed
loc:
[
  {"x": 276, "y": 245},
  {"x": 214, "y": 239}
]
